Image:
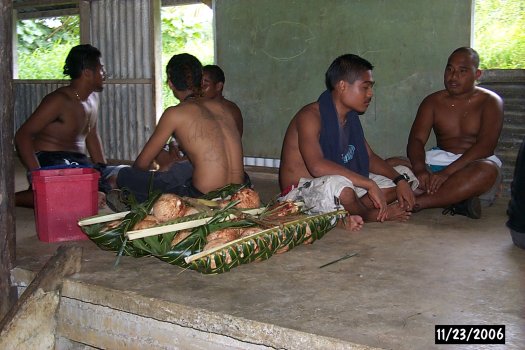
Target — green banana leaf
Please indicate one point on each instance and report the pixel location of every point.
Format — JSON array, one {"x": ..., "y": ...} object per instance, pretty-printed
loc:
[
  {"x": 262, "y": 245},
  {"x": 296, "y": 229}
]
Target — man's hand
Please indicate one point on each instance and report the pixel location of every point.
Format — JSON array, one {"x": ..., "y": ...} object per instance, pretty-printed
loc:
[
  {"x": 378, "y": 199},
  {"x": 405, "y": 195},
  {"x": 436, "y": 180},
  {"x": 424, "y": 180},
  {"x": 175, "y": 153}
]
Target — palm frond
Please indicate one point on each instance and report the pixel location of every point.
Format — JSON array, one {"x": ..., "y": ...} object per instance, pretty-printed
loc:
[
  {"x": 283, "y": 226},
  {"x": 263, "y": 244}
]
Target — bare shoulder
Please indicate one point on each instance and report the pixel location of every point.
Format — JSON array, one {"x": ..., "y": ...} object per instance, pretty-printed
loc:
[
  {"x": 435, "y": 97},
  {"x": 59, "y": 95},
  {"x": 309, "y": 112},
  {"x": 489, "y": 96},
  {"x": 232, "y": 104}
]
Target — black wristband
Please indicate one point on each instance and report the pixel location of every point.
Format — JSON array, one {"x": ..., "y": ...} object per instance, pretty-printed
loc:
[{"x": 403, "y": 176}]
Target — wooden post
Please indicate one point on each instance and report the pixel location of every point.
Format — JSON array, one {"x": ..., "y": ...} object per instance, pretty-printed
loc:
[
  {"x": 66, "y": 261},
  {"x": 7, "y": 182}
]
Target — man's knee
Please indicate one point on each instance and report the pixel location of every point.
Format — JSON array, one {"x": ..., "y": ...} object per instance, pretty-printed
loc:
[
  {"x": 348, "y": 197},
  {"x": 485, "y": 169}
]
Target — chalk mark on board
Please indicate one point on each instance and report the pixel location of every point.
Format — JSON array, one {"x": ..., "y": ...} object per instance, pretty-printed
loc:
[{"x": 294, "y": 38}]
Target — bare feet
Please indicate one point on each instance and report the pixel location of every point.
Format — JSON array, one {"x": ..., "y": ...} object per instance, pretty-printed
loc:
[
  {"x": 352, "y": 223},
  {"x": 396, "y": 213},
  {"x": 101, "y": 200},
  {"x": 356, "y": 222}
]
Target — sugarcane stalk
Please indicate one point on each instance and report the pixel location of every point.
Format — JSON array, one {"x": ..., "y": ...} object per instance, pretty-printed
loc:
[{"x": 98, "y": 219}]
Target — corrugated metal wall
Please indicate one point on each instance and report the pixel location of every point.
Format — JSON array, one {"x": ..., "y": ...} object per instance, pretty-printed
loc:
[
  {"x": 123, "y": 31},
  {"x": 29, "y": 93},
  {"x": 510, "y": 85}
]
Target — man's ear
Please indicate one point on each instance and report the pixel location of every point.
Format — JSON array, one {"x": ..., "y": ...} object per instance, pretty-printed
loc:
[
  {"x": 341, "y": 85},
  {"x": 219, "y": 86},
  {"x": 478, "y": 74},
  {"x": 170, "y": 84}
]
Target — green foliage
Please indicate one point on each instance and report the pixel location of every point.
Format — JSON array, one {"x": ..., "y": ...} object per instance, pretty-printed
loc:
[
  {"x": 185, "y": 29},
  {"x": 44, "y": 63},
  {"x": 43, "y": 45},
  {"x": 499, "y": 33}
]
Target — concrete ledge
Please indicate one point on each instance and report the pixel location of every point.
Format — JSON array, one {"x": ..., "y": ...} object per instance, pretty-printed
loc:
[
  {"x": 186, "y": 326},
  {"x": 106, "y": 318}
]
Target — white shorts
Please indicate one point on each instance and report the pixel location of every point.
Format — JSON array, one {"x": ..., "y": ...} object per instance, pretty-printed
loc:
[
  {"x": 444, "y": 158},
  {"x": 321, "y": 195}
]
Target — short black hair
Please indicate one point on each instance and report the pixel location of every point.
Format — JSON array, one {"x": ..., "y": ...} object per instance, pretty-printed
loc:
[
  {"x": 81, "y": 57},
  {"x": 184, "y": 71},
  {"x": 347, "y": 67},
  {"x": 473, "y": 54},
  {"x": 215, "y": 72}
]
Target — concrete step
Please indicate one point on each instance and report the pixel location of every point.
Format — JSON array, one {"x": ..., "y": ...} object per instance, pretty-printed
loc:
[{"x": 91, "y": 316}]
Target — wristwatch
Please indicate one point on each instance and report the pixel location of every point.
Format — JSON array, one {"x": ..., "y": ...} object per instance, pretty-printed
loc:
[{"x": 403, "y": 176}]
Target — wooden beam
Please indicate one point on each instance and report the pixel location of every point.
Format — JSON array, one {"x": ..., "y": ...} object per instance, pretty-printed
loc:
[
  {"x": 66, "y": 261},
  {"x": 7, "y": 172}
]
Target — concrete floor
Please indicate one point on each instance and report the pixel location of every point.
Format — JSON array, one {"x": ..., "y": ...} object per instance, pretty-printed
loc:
[{"x": 407, "y": 278}]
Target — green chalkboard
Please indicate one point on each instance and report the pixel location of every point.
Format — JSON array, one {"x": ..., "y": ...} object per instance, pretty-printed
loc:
[{"x": 275, "y": 54}]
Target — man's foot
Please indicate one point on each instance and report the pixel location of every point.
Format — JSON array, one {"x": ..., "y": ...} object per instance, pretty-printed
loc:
[
  {"x": 396, "y": 213},
  {"x": 351, "y": 223},
  {"x": 354, "y": 222},
  {"x": 470, "y": 207},
  {"x": 101, "y": 200},
  {"x": 116, "y": 201}
]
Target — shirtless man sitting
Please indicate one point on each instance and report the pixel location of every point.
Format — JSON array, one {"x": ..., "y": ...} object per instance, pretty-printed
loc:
[
  {"x": 205, "y": 130},
  {"x": 467, "y": 121},
  {"x": 65, "y": 123},
  {"x": 212, "y": 85},
  {"x": 325, "y": 157}
]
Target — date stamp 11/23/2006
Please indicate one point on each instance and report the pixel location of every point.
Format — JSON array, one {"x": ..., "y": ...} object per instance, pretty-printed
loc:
[{"x": 469, "y": 334}]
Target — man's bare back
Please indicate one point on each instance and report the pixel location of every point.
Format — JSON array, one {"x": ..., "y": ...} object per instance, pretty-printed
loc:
[{"x": 209, "y": 136}]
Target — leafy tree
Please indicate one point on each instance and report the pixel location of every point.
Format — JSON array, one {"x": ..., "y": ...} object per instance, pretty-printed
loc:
[
  {"x": 185, "y": 29},
  {"x": 499, "y": 33},
  {"x": 43, "y": 45}
]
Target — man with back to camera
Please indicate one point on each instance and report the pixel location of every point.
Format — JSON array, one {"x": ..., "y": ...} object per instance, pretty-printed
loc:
[
  {"x": 326, "y": 160},
  {"x": 467, "y": 121},
  {"x": 205, "y": 130},
  {"x": 64, "y": 125},
  {"x": 212, "y": 85}
]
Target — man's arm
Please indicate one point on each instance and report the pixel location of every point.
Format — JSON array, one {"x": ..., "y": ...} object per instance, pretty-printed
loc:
[
  {"x": 405, "y": 195},
  {"x": 48, "y": 111},
  {"x": 167, "y": 157},
  {"x": 237, "y": 115},
  {"x": 165, "y": 128},
  {"x": 94, "y": 146},
  {"x": 308, "y": 129},
  {"x": 419, "y": 134}
]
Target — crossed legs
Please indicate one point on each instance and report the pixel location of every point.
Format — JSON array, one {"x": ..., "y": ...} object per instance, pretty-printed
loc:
[{"x": 473, "y": 180}]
